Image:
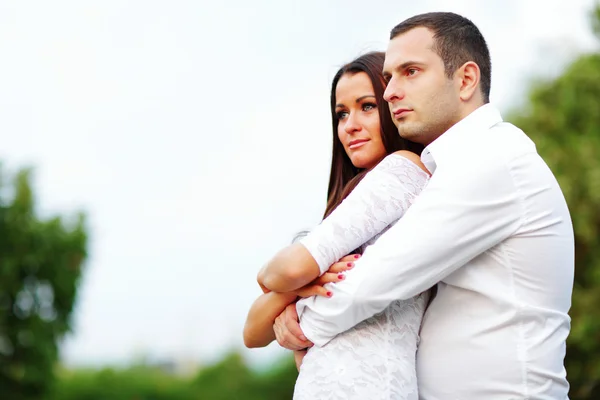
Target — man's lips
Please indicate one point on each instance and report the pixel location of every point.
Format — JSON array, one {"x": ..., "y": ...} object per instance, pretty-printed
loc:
[
  {"x": 401, "y": 112},
  {"x": 357, "y": 143}
]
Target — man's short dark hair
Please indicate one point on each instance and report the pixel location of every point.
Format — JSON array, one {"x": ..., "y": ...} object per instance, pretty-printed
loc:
[{"x": 457, "y": 40}]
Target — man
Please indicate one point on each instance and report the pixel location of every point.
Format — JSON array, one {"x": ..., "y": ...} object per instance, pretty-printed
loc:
[{"x": 491, "y": 229}]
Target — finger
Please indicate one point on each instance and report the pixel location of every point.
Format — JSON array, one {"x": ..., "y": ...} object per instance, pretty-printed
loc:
[
  {"x": 292, "y": 325},
  {"x": 277, "y": 330},
  {"x": 284, "y": 337},
  {"x": 341, "y": 266},
  {"x": 291, "y": 312},
  {"x": 293, "y": 343},
  {"x": 350, "y": 257},
  {"x": 328, "y": 277},
  {"x": 314, "y": 290}
]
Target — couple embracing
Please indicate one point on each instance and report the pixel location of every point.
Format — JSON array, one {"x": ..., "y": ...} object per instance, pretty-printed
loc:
[{"x": 443, "y": 267}]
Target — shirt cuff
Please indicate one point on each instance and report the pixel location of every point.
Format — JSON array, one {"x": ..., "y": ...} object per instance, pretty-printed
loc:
[{"x": 307, "y": 326}]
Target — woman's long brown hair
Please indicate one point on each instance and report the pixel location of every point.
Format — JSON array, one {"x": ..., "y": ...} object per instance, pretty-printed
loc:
[{"x": 344, "y": 176}]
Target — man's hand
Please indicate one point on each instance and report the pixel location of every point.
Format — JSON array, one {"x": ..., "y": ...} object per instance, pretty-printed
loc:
[
  {"x": 287, "y": 330},
  {"x": 335, "y": 273}
]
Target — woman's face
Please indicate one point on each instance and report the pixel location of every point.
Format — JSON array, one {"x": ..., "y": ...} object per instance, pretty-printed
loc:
[{"x": 359, "y": 129}]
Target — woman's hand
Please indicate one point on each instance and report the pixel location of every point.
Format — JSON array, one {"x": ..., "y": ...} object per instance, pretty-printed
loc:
[{"x": 335, "y": 273}]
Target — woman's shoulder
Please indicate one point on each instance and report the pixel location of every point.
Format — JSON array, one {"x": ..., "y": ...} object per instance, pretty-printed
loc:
[{"x": 404, "y": 155}]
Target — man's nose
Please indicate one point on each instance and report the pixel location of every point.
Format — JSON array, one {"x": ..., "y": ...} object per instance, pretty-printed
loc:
[{"x": 393, "y": 91}]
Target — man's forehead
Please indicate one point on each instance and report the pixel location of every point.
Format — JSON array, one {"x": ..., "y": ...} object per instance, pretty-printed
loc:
[
  {"x": 412, "y": 45},
  {"x": 420, "y": 35}
]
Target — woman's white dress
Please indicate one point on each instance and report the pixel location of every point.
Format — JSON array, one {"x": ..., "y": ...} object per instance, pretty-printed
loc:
[{"x": 375, "y": 359}]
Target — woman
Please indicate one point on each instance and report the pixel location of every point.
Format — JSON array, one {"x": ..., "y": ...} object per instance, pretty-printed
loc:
[{"x": 365, "y": 196}]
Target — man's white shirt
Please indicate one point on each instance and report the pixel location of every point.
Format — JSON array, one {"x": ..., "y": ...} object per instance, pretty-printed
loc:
[{"x": 493, "y": 228}]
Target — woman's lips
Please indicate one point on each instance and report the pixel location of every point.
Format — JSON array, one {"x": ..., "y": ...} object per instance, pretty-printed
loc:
[{"x": 355, "y": 144}]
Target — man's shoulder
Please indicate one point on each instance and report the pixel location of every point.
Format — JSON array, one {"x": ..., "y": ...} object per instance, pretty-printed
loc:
[
  {"x": 489, "y": 154},
  {"x": 504, "y": 142},
  {"x": 509, "y": 133}
]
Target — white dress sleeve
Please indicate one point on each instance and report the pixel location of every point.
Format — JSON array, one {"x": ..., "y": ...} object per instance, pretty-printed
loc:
[{"x": 378, "y": 200}]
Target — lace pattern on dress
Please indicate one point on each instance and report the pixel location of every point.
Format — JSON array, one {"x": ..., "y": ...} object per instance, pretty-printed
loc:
[{"x": 375, "y": 359}]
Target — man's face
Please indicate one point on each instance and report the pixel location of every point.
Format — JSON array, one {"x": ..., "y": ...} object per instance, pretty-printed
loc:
[{"x": 424, "y": 103}]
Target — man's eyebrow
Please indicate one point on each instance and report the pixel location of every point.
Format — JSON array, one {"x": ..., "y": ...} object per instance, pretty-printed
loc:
[
  {"x": 404, "y": 65},
  {"x": 407, "y": 64}
]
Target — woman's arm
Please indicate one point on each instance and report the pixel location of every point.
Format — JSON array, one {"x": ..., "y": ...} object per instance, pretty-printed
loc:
[
  {"x": 290, "y": 269},
  {"x": 258, "y": 330},
  {"x": 378, "y": 200}
]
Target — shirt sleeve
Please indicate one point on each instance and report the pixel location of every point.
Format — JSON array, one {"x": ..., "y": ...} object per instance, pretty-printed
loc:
[
  {"x": 459, "y": 215},
  {"x": 379, "y": 199}
]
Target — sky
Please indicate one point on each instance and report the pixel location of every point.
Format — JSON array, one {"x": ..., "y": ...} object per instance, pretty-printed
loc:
[{"x": 196, "y": 136}]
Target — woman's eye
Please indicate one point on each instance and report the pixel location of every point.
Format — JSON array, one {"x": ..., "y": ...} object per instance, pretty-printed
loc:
[
  {"x": 342, "y": 114},
  {"x": 369, "y": 106}
]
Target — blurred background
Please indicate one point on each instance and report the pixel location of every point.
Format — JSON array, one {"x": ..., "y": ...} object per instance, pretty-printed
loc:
[{"x": 155, "y": 154}]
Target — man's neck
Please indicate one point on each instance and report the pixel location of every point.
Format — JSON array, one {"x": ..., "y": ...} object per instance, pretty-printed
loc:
[{"x": 469, "y": 107}]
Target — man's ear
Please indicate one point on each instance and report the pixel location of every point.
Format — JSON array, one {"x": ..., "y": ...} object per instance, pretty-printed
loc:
[{"x": 469, "y": 76}]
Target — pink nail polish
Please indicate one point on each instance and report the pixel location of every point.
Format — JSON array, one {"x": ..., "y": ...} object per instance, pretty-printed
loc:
[
  {"x": 329, "y": 294},
  {"x": 340, "y": 276},
  {"x": 350, "y": 264},
  {"x": 356, "y": 255}
]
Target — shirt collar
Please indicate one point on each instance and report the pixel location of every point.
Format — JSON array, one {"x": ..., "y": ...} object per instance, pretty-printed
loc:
[{"x": 482, "y": 118}]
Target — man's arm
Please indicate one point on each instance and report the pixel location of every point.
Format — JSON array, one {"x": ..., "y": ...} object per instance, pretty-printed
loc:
[
  {"x": 459, "y": 215},
  {"x": 378, "y": 200}
]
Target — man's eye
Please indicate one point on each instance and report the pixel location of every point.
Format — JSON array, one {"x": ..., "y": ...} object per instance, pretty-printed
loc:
[{"x": 411, "y": 71}]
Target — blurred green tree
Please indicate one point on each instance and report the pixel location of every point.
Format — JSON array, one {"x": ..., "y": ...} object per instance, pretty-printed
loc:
[
  {"x": 229, "y": 378},
  {"x": 280, "y": 380},
  {"x": 595, "y": 16},
  {"x": 563, "y": 118},
  {"x": 232, "y": 379},
  {"x": 136, "y": 383},
  {"x": 40, "y": 265}
]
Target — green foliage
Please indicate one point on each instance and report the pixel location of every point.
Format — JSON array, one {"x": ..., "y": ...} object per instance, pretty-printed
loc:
[
  {"x": 40, "y": 263},
  {"x": 138, "y": 383},
  {"x": 228, "y": 379},
  {"x": 231, "y": 379},
  {"x": 596, "y": 19},
  {"x": 563, "y": 119}
]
